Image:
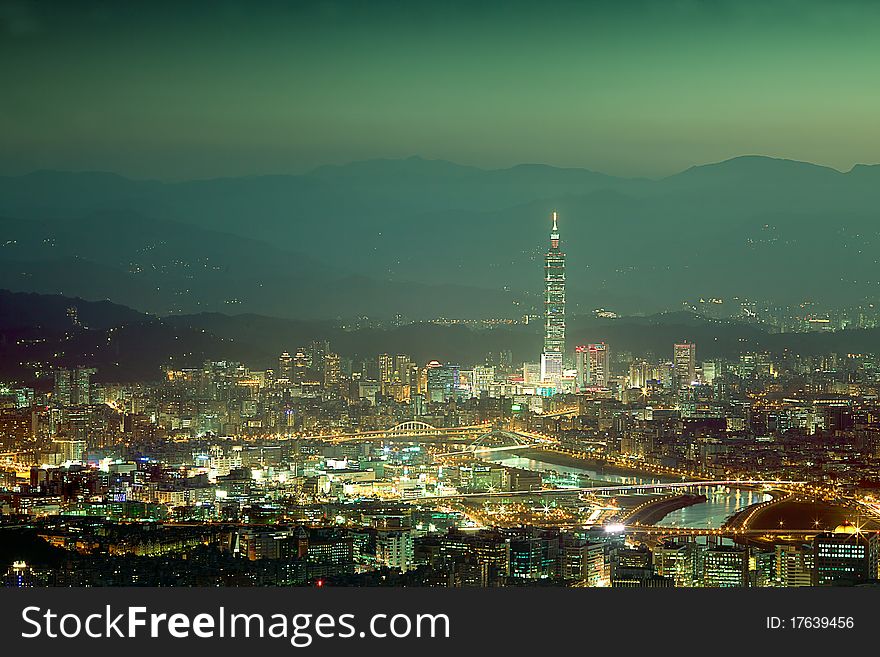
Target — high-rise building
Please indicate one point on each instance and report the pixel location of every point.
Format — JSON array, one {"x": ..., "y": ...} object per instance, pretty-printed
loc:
[
  {"x": 386, "y": 370},
  {"x": 592, "y": 365},
  {"x": 73, "y": 387},
  {"x": 554, "y": 309},
  {"x": 332, "y": 371},
  {"x": 69, "y": 450},
  {"x": 442, "y": 381},
  {"x": 483, "y": 378},
  {"x": 394, "y": 549},
  {"x": 402, "y": 369},
  {"x": 582, "y": 561},
  {"x": 710, "y": 371},
  {"x": 640, "y": 372},
  {"x": 582, "y": 365},
  {"x": 531, "y": 373},
  {"x": 285, "y": 366},
  {"x": 61, "y": 390},
  {"x": 793, "y": 565},
  {"x": 725, "y": 566},
  {"x": 675, "y": 560},
  {"x": 846, "y": 556},
  {"x": 317, "y": 350},
  {"x": 684, "y": 360},
  {"x": 300, "y": 366},
  {"x": 81, "y": 393}
]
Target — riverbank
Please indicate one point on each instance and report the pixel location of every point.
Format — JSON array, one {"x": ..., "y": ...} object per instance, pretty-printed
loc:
[
  {"x": 586, "y": 472},
  {"x": 742, "y": 516},
  {"x": 803, "y": 514},
  {"x": 601, "y": 467},
  {"x": 654, "y": 511}
]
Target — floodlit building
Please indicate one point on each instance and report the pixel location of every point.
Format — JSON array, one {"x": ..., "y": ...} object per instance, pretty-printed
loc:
[
  {"x": 554, "y": 309},
  {"x": 725, "y": 566},
  {"x": 684, "y": 362},
  {"x": 593, "y": 365},
  {"x": 846, "y": 556}
]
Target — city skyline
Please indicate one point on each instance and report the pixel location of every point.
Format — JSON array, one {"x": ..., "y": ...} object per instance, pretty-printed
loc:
[
  {"x": 687, "y": 490},
  {"x": 439, "y": 295},
  {"x": 681, "y": 515}
]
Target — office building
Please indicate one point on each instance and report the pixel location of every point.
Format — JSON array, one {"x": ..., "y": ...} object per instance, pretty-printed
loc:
[
  {"x": 725, "y": 566},
  {"x": 676, "y": 561},
  {"x": 394, "y": 549},
  {"x": 332, "y": 370},
  {"x": 846, "y": 556},
  {"x": 684, "y": 362},
  {"x": 72, "y": 387},
  {"x": 285, "y": 366},
  {"x": 442, "y": 381},
  {"x": 593, "y": 365},
  {"x": 793, "y": 565},
  {"x": 386, "y": 371}
]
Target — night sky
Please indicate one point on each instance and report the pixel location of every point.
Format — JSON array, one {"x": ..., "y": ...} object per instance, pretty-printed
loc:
[{"x": 176, "y": 90}]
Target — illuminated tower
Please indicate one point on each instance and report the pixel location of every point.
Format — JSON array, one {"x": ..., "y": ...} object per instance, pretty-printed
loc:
[
  {"x": 554, "y": 309},
  {"x": 285, "y": 366},
  {"x": 592, "y": 362},
  {"x": 386, "y": 371},
  {"x": 684, "y": 360}
]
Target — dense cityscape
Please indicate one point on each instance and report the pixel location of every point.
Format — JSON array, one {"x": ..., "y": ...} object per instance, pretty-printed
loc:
[{"x": 587, "y": 465}]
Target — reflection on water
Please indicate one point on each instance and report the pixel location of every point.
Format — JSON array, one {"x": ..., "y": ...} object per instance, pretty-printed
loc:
[
  {"x": 720, "y": 503},
  {"x": 719, "y": 506}
]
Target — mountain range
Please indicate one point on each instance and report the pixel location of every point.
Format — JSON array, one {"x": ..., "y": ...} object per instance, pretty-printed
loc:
[
  {"x": 40, "y": 332},
  {"x": 427, "y": 238}
]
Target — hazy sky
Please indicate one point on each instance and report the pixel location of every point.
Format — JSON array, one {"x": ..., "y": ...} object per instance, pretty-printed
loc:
[{"x": 196, "y": 89}]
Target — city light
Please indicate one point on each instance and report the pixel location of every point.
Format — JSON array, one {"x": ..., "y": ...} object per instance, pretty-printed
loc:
[{"x": 415, "y": 373}]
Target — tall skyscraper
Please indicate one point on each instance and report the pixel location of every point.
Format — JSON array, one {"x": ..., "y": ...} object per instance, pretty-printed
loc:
[
  {"x": 73, "y": 387},
  {"x": 640, "y": 372},
  {"x": 285, "y": 366},
  {"x": 484, "y": 377},
  {"x": 332, "y": 371},
  {"x": 61, "y": 391},
  {"x": 402, "y": 368},
  {"x": 317, "y": 350},
  {"x": 554, "y": 309},
  {"x": 593, "y": 367},
  {"x": 685, "y": 364},
  {"x": 386, "y": 371},
  {"x": 82, "y": 385},
  {"x": 300, "y": 366},
  {"x": 442, "y": 381}
]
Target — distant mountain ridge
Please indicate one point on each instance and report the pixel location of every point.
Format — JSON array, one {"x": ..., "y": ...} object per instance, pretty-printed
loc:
[
  {"x": 37, "y": 334},
  {"x": 426, "y": 238},
  {"x": 59, "y": 313}
]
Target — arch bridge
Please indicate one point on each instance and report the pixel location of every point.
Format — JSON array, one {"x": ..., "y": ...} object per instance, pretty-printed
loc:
[{"x": 412, "y": 428}]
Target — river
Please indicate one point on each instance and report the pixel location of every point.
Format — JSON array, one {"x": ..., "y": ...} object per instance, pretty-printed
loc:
[{"x": 719, "y": 505}]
